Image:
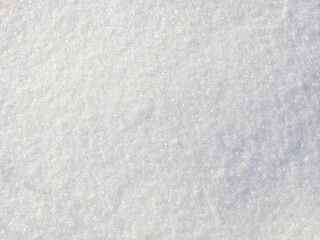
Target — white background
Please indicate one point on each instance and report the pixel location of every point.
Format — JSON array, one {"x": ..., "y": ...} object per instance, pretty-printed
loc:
[{"x": 163, "y": 119}]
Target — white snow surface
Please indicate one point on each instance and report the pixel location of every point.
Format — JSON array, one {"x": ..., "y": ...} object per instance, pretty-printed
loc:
[{"x": 164, "y": 119}]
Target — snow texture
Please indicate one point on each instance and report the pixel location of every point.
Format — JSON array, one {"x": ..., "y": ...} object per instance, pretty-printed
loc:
[{"x": 164, "y": 119}]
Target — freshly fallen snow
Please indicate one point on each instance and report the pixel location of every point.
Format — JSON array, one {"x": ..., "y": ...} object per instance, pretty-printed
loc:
[{"x": 165, "y": 119}]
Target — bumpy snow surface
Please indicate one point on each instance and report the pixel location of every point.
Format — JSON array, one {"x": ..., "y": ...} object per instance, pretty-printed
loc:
[{"x": 164, "y": 119}]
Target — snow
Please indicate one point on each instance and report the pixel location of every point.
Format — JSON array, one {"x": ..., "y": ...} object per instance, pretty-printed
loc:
[{"x": 133, "y": 119}]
